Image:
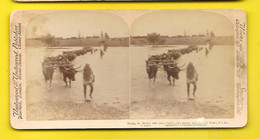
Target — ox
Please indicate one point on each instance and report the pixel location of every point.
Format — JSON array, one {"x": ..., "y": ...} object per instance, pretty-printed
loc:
[
  {"x": 172, "y": 71},
  {"x": 47, "y": 72},
  {"x": 68, "y": 73},
  {"x": 151, "y": 70}
]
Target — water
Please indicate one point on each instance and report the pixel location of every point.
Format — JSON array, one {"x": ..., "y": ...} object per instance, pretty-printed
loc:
[
  {"x": 122, "y": 82},
  {"x": 215, "y": 86}
]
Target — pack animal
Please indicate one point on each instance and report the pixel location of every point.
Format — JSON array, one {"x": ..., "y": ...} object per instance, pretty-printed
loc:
[
  {"x": 47, "y": 71},
  {"x": 68, "y": 73},
  {"x": 172, "y": 72},
  {"x": 151, "y": 71}
]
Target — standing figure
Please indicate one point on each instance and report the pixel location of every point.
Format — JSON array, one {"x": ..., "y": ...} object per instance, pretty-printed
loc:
[
  {"x": 206, "y": 51},
  {"x": 88, "y": 79},
  {"x": 101, "y": 53},
  {"x": 210, "y": 46},
  {"x": 192, "y": 78},
  {"x": 105, "y": 47}
]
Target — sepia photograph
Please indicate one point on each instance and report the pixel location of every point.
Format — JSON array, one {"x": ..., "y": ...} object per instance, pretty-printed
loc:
[
  {"x": 128, "y": 69},
  {"x": 74, "y": 62},
  {"x": 182, "y": 66}
]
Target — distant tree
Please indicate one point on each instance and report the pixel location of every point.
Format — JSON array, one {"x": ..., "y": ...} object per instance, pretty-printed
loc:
[
  {"x": 153, "y": 38},
  {"x": 212, "y": 34},
  {"x": 210, "y": 38},
  {"x": 101, "y": 34},
  {"x": 94, "y": 36},
  {"x": 161, "y": 41},
  {"x": 104, "y": 39},
  {"x": 106, "y": 36},
  {"x": 49, "y": 40}
]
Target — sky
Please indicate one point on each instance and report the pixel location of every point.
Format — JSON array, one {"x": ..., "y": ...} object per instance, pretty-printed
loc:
[
  {"x": 174, "y": 23},
  {"x": 68, "y": 24}
]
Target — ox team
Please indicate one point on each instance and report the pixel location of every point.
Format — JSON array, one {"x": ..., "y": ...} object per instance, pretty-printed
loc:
[
  {"x": 65, "y": 66},
  {"x": 168, "y": 61}
]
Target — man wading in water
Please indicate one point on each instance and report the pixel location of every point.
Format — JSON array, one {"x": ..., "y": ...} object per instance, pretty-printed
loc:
[
  {"x": 192, "y": 78},
  {"x": 88, "y": 79}
]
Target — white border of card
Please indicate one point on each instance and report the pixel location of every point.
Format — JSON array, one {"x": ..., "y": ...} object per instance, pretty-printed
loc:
[{"x": 18, "y": 118}]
